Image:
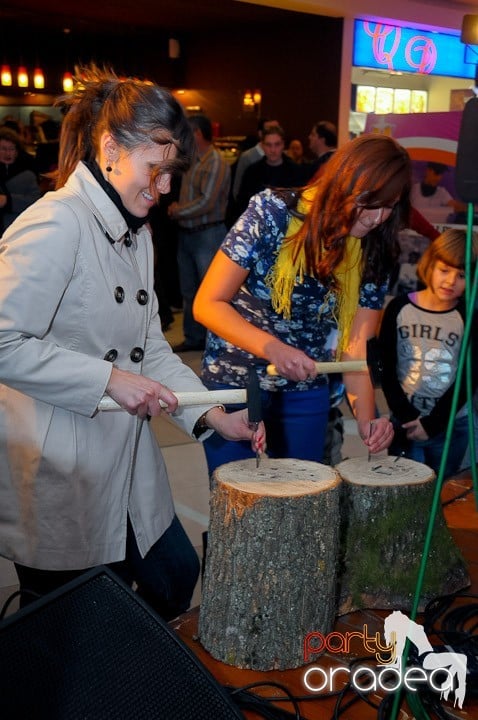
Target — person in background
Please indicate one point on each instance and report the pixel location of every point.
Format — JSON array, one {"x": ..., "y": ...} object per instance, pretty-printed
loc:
[
  {"x": 16, "y": 125},
  {"x": 17, "y": 176},
  {"x": 421, "y": 335},
  {"x": 407, "y": 279},
  {"x": 200, "y": 212},
  {"x": 406, "y": 270},
  {"x": 295, "y": 151},
  {"x": 164, "y": 233},
  {"x": 46, "y": 152},
  {"x": 274, "y": 170},
  {"x": 431, "y": 198},
  {"x": 250, "y": 156},
  {"x": 3, "y": 204},
  {"x": 79, "y": 319},
  {"x": 322, "y": 144},
  {"x": 302, "y": 277}
]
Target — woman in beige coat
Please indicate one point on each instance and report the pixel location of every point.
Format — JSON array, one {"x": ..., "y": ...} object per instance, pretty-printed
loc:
[{"x": 78, "y": 319}]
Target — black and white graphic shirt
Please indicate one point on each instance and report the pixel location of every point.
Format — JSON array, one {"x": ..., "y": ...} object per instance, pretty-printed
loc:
[{"x": 420, "y": 359}]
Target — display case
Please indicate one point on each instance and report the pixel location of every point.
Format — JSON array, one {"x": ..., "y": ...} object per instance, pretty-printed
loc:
[{"x": 230, "y": 147}]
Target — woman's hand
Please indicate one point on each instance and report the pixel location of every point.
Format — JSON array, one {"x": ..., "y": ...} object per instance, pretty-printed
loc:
[
  {"x": 415, "y": 430},
  {"x": 290, "y": 362},
  {"x": 235, "y": 426},
  {"x": 139, "y": 395},
  {"x": 377, "y": 434}
]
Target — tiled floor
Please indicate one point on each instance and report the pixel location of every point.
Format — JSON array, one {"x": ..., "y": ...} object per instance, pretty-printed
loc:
[{"x": 187, "y": 472}]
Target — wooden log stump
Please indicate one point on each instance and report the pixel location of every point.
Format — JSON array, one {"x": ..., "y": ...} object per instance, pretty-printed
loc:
[
  {"x": 386, "y": 505},
  {"x": 271, "y": 562}
]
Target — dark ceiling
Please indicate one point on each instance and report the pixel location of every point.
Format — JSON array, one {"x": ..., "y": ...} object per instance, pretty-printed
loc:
[{"x": 177, "y": 16}]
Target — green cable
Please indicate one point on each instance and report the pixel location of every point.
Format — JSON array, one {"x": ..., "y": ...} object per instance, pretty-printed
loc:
[
  {"x": 416, "y": 706},
  {"x": 464, "y": 355}
]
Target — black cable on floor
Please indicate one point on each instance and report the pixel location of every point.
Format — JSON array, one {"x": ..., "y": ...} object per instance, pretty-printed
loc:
[
  {"x": 263, "y": 705},
  {"x": 18, "y": 593}
]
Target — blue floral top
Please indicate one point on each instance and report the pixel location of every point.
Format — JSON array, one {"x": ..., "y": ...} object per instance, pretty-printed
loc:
[{"x": 253, "y": 244}]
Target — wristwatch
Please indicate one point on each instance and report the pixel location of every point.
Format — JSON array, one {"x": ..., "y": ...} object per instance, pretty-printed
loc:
[{"x": 201, "y": 423}]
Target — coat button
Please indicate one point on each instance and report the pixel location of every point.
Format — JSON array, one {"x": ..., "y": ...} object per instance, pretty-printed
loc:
[
  {"x": 111, "y": 355},
  {"x": 136, "y": 354},
  {"x": 127, "y": 240},
  {"x": 142, "y": 297},
  {"x": 119, "y": 294}
]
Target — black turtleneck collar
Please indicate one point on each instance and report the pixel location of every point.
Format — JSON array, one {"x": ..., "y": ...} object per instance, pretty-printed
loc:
[{"x": 133, "y": 222}]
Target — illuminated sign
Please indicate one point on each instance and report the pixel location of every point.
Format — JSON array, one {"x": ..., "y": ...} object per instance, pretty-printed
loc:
[{"x": 411, "y": 50}]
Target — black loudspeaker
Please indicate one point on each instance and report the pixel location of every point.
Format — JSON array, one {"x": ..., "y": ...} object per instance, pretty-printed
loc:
[
  {"x": 466, "y": 171},
  {"x": 93, "y": 650},
  {"x": 469, "y": 30}
]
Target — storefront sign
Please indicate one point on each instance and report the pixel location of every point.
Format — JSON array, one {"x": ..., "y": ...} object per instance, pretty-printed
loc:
[{"x": 411, "y": 50}]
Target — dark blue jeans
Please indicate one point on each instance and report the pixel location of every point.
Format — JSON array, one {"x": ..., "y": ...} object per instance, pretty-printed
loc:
[
  {"x": 165, "y": 577},
  {"x": 195, "y": 253},
  {"x": 296, "y": 424}
]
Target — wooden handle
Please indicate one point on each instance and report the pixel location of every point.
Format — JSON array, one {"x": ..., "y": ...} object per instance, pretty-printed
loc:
[
  {"x": 185, "y": 399},
  {"x": 326, "y": 368}
]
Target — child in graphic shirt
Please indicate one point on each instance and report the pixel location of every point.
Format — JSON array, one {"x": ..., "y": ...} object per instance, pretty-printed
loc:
[{"x": 421, "y": 335}]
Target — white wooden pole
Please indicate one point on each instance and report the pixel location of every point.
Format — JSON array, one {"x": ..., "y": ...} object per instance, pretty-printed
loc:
[
  {"x": 206, "y": 397},
  {"x": 332, "y": 367}
]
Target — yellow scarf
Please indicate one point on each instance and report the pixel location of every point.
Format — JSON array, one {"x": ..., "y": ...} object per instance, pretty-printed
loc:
[{"x": 286, "y": 273}]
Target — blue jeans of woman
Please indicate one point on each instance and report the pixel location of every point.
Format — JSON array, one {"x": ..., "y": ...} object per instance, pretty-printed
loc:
[
  {"x": 296, "y": 424},
  {"x": 165, "y": 577}
]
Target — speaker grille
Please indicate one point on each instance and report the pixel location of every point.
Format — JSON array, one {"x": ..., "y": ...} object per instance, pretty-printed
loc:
[{"x": 95, "y": 651}]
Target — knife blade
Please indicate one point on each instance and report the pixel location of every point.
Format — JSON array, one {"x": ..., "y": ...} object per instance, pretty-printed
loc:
[{"x": 254, "y": 405}]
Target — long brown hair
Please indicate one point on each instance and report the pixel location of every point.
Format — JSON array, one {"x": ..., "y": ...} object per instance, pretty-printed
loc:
[
  {"x": 370, "y": 171},
  {"x": 133, "y": 111}
]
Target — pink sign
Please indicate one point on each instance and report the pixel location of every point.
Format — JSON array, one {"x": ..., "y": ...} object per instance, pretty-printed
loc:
[{"x": 430, "y": 137}]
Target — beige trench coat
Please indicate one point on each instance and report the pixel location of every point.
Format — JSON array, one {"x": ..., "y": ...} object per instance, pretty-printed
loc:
[{"x": 69, "y": 474}]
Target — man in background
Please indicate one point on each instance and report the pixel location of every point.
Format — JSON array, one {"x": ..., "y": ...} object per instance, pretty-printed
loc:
[
  {"x": 296, "y": 151},
  {"x": 248, "y": 157},
  {"x": 322, "y": 144},
  {"x": 200, "y": 212},
  {"x": 431, "y": 198},
  {"x": 274, "y": 170}
]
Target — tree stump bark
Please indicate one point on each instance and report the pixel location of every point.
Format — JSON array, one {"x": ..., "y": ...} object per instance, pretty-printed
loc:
[
  {"x": 386, "y": 505},
  {"x": 271, "y": 562}
]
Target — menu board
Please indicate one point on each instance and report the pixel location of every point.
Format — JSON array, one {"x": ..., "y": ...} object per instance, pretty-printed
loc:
[{"x": 383, "y": 100}]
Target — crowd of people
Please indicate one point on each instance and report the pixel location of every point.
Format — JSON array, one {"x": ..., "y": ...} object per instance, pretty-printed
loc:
[
  {"x": 282, "y": 262},
  {"x": 28, "y": 153},
  {"x": 19, "y": 185}
]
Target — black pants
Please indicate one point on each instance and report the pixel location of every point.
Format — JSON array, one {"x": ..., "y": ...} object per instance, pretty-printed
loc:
[{"x": 166, "y": 576}]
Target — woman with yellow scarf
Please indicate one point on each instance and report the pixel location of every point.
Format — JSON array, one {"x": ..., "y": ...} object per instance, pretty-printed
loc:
[{"x": 302, "y": 277}]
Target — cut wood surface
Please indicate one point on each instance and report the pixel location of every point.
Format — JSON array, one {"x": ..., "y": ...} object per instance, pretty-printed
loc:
[
  {"x": 385, "y": 511},
  {"x": 271, "y": 561}
]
